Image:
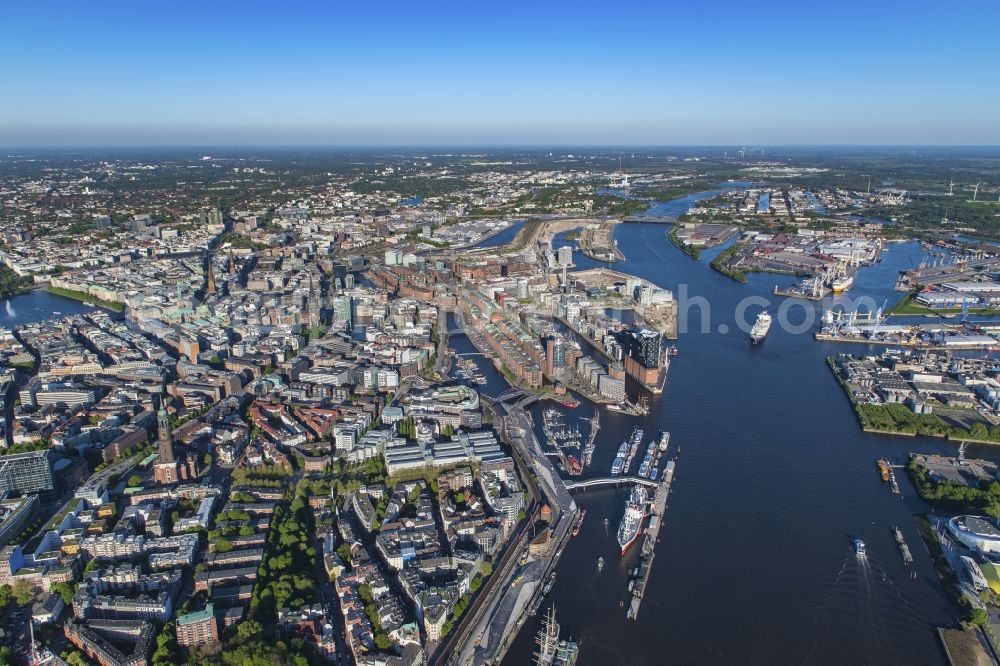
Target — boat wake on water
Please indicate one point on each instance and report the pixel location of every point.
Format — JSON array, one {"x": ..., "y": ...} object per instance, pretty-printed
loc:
[{"x": 863, "y": 610}]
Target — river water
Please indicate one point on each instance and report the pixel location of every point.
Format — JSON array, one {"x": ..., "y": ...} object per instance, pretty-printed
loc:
[
  {"x": 774, "y": 480},
  {"x": 504, "y": 237}
]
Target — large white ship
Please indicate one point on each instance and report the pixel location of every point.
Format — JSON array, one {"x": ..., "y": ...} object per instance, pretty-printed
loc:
[
  {"x": 760, "y": 327},
  {"x": 631, "y": 526},
  {"x": 842, "y": 283}
]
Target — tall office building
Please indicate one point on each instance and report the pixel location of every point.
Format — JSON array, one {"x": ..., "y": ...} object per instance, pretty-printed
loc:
[
  {"x": 565, "y": 254},
  {"x": 644, "y": 358},
  {"x": 341, "y": 312},
  {"x": 29, "y": 472}
]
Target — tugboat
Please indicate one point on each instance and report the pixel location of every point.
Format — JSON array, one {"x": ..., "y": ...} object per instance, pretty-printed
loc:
[{"x": 859, "y": 549}]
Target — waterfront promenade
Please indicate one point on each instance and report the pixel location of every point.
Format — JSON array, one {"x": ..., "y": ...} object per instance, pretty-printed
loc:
[{"x": 488, "y": 634}]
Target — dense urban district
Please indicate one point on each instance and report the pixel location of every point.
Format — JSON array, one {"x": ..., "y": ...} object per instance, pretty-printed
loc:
[{"x": 254, "y": 444}]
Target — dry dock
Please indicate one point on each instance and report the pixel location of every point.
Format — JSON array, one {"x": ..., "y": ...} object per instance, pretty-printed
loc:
[{"x": 649, "y": 543}]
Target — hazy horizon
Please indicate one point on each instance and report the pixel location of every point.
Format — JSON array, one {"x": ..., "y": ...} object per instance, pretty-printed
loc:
[{"x": 304, "y": 74}]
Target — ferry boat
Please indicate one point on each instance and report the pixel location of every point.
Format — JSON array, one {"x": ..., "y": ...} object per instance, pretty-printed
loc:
[
  {"x": 859, "y": 549},
  {"x": 633, "y": 448},
  {"x": 649, "y": 461},
  {"x": 631, "y": 526},
  {"x": 619, "y": 463},
  {"x": 646, "y": 465},
  {"x": 760, "y": 327},
  {"x": 579, "y": 522},
  {"x": 664, "y": 441}
]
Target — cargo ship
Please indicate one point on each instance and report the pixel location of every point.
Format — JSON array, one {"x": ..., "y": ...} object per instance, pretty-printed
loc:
[
  {"x": 883, "y": 468},
  {"x": 635, "y": 512},
  {"x": 760, "y": 327},
  {"x": 842, "y": 284},
  {"x": 579, "y": 522}
]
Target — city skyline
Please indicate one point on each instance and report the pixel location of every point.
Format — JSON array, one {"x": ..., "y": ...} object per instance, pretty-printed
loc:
[{"x": 257, "y": 74}]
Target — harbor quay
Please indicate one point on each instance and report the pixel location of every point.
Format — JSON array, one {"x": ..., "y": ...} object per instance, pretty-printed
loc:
[
  {"x": 488, "y": 634},
  {"x": 659, "y": 507}
]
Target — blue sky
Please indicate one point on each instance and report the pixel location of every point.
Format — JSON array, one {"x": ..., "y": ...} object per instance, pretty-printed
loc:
[{"x": 218, "y": 73}]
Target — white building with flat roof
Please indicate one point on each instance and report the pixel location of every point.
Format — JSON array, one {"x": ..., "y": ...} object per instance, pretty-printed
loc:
[{"x": 976, "y": 532}]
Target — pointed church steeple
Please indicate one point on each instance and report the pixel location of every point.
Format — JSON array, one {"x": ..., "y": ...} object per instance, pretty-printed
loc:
[{"x": 210, "y": 278}]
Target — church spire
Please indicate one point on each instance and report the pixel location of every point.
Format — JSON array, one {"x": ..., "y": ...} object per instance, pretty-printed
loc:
[
  {"x": 210, "y": 278},
  {"x": 164, "y": 437}
]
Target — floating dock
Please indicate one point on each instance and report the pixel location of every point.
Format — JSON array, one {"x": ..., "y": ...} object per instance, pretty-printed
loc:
[{"x": 638, "y": 587}]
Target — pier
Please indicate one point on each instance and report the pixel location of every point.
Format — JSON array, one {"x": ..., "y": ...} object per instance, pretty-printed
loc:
[{"x": 649, "y": 543}]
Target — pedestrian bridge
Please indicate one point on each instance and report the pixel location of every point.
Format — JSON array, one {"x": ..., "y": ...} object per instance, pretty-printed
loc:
[
  {"x": 610, "y": 482},
  {"x": 512, "y": 394}
]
